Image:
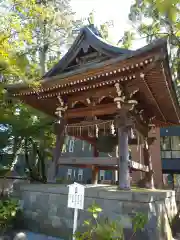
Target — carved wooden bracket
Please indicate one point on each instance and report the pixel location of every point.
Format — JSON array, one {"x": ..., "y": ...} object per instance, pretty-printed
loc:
[
  {"x": 148, "y": 142},
  {"x": 88, "y": 101},
  {"x": 151, "y": 140},
  {"x": 61, "y": 108},
  {"x": 121, "y": 99},
  {"x": 124, "y": 119}
]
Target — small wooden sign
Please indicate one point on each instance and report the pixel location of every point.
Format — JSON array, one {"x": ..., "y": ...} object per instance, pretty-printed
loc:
[
  {"x": 76, "y": 201},
  {"x": 76, "y": 196}
]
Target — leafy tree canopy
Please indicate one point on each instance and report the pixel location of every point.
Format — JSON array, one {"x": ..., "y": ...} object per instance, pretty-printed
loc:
[
  {"x": 153, "y": 19},
  {"x": 33, "y": 36}
]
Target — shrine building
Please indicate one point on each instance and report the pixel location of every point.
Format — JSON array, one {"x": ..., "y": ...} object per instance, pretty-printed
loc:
[{"x": 113, "y": 99}]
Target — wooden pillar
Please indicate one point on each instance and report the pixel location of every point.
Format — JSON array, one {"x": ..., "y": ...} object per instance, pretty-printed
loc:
[
  {"x": 149, "y": 181},
  {"x": 95, "y": 170},
  {"x": 124, "y": 178},
  {"x": 115, "y": 171},
  {"x": 124, "y": 124}
]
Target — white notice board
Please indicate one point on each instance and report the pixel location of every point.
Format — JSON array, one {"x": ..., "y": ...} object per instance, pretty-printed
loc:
[{"x": 76, "y": 196}]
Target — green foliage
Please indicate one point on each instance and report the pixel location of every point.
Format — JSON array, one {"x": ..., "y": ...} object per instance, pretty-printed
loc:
[
  {"x": 139, "y": 221},
  {"x": 4, "y": 170},
  {"x": 105, "y": 229},
  {"x": 30, "y": 134},
  {"x": 64, "y": 181},
  {"x": 127, "y": 40},
  {"x": 32, "y": 35},
  {"x": 103, "y": 28},
  {"x": 153, "y": 19},
  {"x": 9, "y": 209},
  {"x": 31, "y": 38},
  {"x": 16, "y": 34}
]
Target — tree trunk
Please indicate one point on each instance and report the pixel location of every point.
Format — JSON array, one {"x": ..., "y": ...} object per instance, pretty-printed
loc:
[
  {"x": 26, "y": 154},
  {"x": 27, "y": 159},
  {"x": 42, "y": 58},
  {"x": 53, "y": 168},
  {"x": 124, "y": 178},
  {"x": 17, "y": 148},
  {"x": 41, "y": 165},
  {"x": 43, "y": 169},
  {"x": 33, "y": 175}
]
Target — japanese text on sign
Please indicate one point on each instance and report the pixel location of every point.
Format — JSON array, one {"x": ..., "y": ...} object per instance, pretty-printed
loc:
[{"x": 76, "y": 196}]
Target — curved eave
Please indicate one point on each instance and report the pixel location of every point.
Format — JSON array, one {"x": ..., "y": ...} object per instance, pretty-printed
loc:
[
  {"x": 158, "y": 44},
  {"x": 156, "y": 97},
  {"x": 157, "y": 91},
  {"x": 86, "y": 34}
]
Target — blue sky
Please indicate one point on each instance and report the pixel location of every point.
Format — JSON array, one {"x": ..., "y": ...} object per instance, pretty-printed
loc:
[{"x": 115, "y": 10}]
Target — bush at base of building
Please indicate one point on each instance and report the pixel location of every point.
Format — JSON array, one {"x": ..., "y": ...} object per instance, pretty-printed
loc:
[
  {"x": 10, "y": 212},
  {"x": 98, "y": 228}
]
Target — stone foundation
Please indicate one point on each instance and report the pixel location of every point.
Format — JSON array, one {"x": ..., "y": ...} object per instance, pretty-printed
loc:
[{"x": 45, "y": 209}]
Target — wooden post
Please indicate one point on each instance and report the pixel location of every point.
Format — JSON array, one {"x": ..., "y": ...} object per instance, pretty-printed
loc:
[
  {"x": 115, "y": 171},
  {"x": 124, "y": 178},
  {"x": 124, "y": 122},
  {"x": 149, "y": 181},
  {"x": 95, "y": 170}
]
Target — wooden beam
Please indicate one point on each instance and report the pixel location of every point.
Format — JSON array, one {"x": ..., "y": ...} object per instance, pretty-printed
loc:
[
  {"x": 98, "y": 110},
  {"x": 99, "y": 161},
  {"x": 81, "y": 96},
  {"x": 141, "y": 127}
]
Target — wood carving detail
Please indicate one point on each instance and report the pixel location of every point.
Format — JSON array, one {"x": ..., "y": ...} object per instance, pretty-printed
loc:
[{"x": 61, "y": 107}]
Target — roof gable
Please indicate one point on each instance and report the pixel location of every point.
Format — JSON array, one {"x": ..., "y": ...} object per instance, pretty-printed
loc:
[{"x": 88, "y": 48}]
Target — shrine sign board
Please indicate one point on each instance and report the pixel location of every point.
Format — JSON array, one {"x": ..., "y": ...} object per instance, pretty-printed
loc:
[{"x": 76, "y": 196}]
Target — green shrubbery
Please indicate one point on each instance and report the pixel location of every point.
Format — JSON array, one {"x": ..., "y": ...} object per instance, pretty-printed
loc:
[
  {"x": 98, "y": 228},
  {"x": 9, "y": 210}
]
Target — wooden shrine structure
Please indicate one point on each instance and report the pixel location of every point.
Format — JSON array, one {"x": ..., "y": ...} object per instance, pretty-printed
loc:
[{"x": 98, "y": 90}]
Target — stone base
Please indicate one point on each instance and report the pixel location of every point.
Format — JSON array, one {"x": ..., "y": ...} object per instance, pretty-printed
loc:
[{"x": 45, "y": 209}]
